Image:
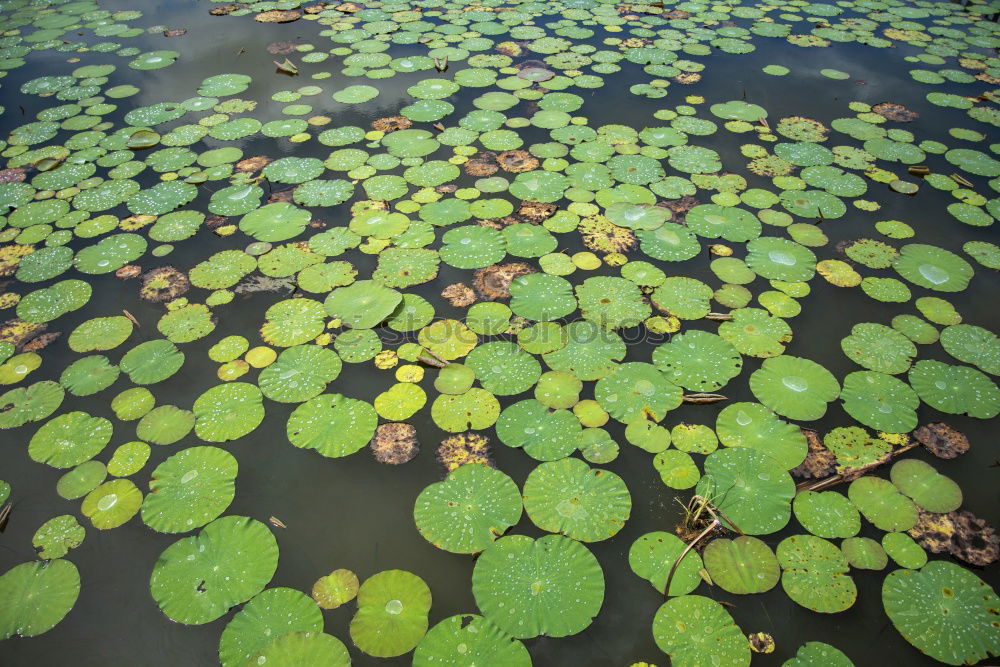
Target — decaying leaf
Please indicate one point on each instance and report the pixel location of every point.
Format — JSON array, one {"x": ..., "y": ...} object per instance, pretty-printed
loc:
[
  {"x": 896, "y": 112},
  {"x": 391, "y": 123},
  {"x": 961, "y": 533},
  {"x": 395, "y": 443},
  {"x": 942, "y": 440},
  {"x": 278, "y": 16},
  {"x": 819, "y": 462},
  {"x": 464, "y": 448},
  {"x": 517, "y": 161},
  {"x": 459, "y": 295},
  {"x": 163, "y": 283},
  {"x": 493, "y": 282}
]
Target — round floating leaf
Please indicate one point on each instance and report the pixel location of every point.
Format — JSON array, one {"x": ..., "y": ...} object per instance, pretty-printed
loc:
[
  {"x": 475, "y": 409},
  {"x": 636, "y": 390},
  {"x": 814, "y": 574},
  {"x": 30, "y": 404},
  {"x": 813, "y": 654},
  {"x": 955, "y": 389},
  {"x": 756, "y": 333},
  {"x": 882, "y": 504},
  {"x": 152, "y": 361},
  {"x": 613, "y": 303},
  {"x": 904, "y": 550},
  {"x": 392, "y": 613},
  {"x": 37, "y": 596},
  {"x": 794, "y": 387},
  {"x": 57, "y": 536},
  {"x": 755, "y": 426},
  {"x": 826, "y": 514},
  {"x": 81, "y": 480},
  {"x": 880, "y": 401},
  {"x": 864, "y": 553},
  {"x": 468, "y": 510},
  {"x": 945, "y": 611},
  {"x": 590, "y": 351},
  {"x": 926, "y": 486},
  {"x": 332, "y": 424},
  {"x": 228, "y": 411},
  {"x": 695, "y": 630},
  {"x": 69, "y": 439},
  {"x": 652, "y": 556},
  {"x": 742, "y": 565},
  {"x": 932, "y": 267},
  {"x": 698, "y": 361},
  {"x": 973, "y": 345},
  {"x": 542, "y": 297},
  {"x": 100, "y": 333},
  {"x": 301, "y": 372},
  {"x": 879, "y": 348},
  {"x": 751, "y": 488},
  {"x": 363, "y": 304},
  {"x": 780, "y": 259},
  {"x": 471, "y": 640},
  {"x": 503, "y": 368},
  {"x": 304, "y": 648},
  {"x": 552, "y": 586},
  {"x": 112, "y": 504},
  {"x": 335, "y": 589},
  {"x": 165, "y": 425},
  {"x": 190, "y": 489},
  {"x": 270, "y": 614},
  {"x": 569, "y": 497},
  {"x": 278, "y": 221},
  {"x": 198, "y": 578},
  {"x": 545, "y": 435}
]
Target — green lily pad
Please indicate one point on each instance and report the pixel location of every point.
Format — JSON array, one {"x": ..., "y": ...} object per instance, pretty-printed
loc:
[
  {"x": 636, "y": 390},
  {"x": 815, "y": 574},
  {"x": 469, "y": 639},
  {"x": 199, "y": 578},
  {"x": 755, "y": 426},
  {"x": 795, "y": 387},
  {"x": 543, "y": 434},
  {"x": 698, "y": 361},
  {"x": 826, "y": 514},
  {"x": 37, "y": 596},
  {"x": 100, "y": 333},
  {"x": 613, "y": 303},
  {"x": 955, "y": 389},
  {"x": 756, "y": 333},
  {"x": 692, "y": 629},
  {"x": 814, "y": 654},
  {"x": 332, "y": 424},
  {"x": 926, "y": 486},
  {"x": 69, "y": 439},
  {"x": 33, "y": 403},
  {"x": 300, "y": 372},
  {"x": 392, "y": 613},
  {"x": 880, "y": 401},
  {"x": 864, "y": 553},
  {"x": 165, "y": 425},
  {"x": 190, "y": 489},
  {"x": 973, "y": 345},
  {"x": 228, "y": 411},
  {"x": 112, "y": 504},
  {"x": 568, "y": 496},
  {"x": 503, "y": 368},
  {"x": 879, "y": 348},
  {"x": 751, "y": 488},
  {"x": 468, "y": 510},
  {"x": 552, "y": 586},
  {"x": 945, "y": 611},
  {"x": 151, "y": 362},
  {"x": 932, "y": 267},
  {"x": 882, "y": 504},
  {"x": 363, "y": 304},
  {"x": 57, "y": 536},
  {"x": 475, "y": 409},
  {"x": 742, "y": 565},
  {"x": 652, "y": 556},
  {"x": 268, "y": 616}
]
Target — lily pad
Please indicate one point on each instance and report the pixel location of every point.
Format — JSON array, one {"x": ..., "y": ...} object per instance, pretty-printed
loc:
[
  {"x": 570, "y": 497},
  {"x": 392, "y": 613}
]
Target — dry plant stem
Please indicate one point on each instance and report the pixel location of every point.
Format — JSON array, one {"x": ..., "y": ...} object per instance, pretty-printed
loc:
[
  {"x": 719, "y": 317},
  {"x": 849, "y": 475},
  {"x": 673, "y": 568},
  {"x": 704, "y": 398}
]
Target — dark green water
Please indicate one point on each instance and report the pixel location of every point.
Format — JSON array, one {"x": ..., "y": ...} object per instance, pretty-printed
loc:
[{"x": 356, "y": 513}]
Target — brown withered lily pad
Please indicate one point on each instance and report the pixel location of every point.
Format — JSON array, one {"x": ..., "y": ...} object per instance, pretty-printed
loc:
[
  {"x": 281, "y": 48},
  {"x": 395, "y": 443},
  {"x": 459, "y": 295},
  {"x": 391, "y": 123},
  {"x": 39, "y": 342},
  {"x": 896, "y": 112},
  {"x": 961, "y": 533},
  {"x": 163, "y": 284},
  {"x": 225, "y": 10},
  {"x": 819, "y": 462},
  {"x": 252, "y": 164},
  {"x": 278, "y": 16},
  {"x": 446, "y": 189},
  {"x": 536, "y": 212},
  {"x": 282, "y": 195},
  {"x": 128, "y": 272},
  {"x": 464, "y": 448},
  {"x": 212, "y": 221},
  {"x": 17, "y": 332},
  {"x": 942, "y": 440},
  {"x": 517, "y": 161},
  {"x": 174, "y": 32},
  {"x": 482, "y": 164},
  {"x": 15, "y": 175},
  {"x": 493, "y": 282}
]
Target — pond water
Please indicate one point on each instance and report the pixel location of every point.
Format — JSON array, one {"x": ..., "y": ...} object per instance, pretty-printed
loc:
[{"x": 796, "y": 171}]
